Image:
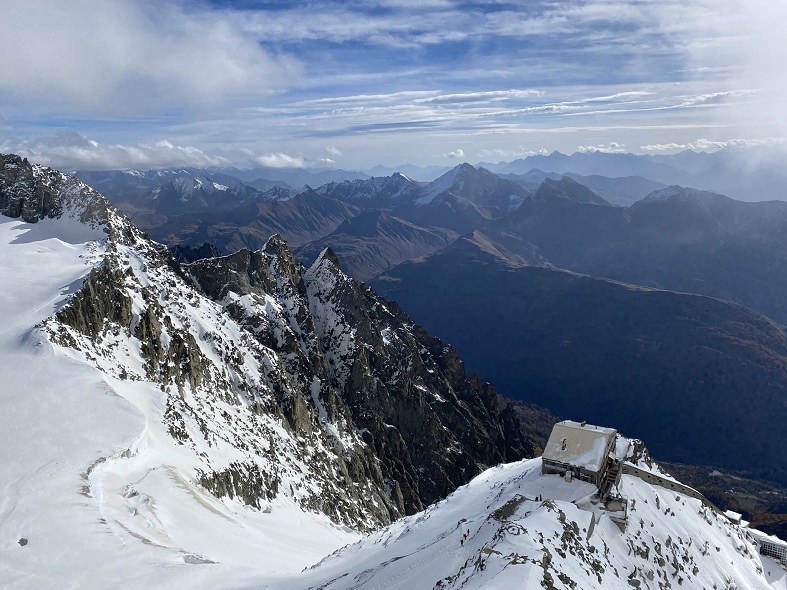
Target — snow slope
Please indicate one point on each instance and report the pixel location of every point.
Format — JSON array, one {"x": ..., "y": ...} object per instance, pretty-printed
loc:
[
  {"x": 102, "y": 493},
  {"x": 562, "y": 540},
  {"x": 163, "y": 418}
]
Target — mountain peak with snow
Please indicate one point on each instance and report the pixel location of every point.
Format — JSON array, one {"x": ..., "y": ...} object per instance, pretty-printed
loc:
[
  {"x": 32, "y": 192},
  {"x": 382, "y": 191},
  {"x": 478, "y": 186},
  {"x": 234, "y": 420},
  {"x": 567, "y": 189},
  {"x": 663, "y": 194},
  {"x": 328, "y": 256},
  {"x": 515, "y": 527},
  {"x": 247, "y": 390}
]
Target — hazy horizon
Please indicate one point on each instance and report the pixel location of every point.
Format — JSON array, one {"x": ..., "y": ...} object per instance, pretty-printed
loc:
[{"x": 138, "y": 84}]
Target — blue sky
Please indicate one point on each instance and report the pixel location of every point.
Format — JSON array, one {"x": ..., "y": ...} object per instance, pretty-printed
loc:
[{"x": 137, "y": 83}]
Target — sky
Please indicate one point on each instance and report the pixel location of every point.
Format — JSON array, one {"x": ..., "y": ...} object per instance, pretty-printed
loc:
[{"x": 104, "y": 84}]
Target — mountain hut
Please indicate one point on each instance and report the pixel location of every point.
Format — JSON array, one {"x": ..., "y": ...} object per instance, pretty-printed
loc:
[{"x": 583, "y": 450}]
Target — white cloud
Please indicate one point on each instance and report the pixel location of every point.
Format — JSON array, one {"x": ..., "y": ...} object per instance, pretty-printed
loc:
[
  {"x": 714, "y": 98},
  {"x": 280, "y": 160},
  {"x": 647, "y": 74},
  {"x": 634, "y": 94},
  {"x": 502, "y": 154},
  {"x": 456, "y": 154},
  {"x": 706, "y": 145},
  {"x": 479, "y": 97},
  {"x": 609, "y": 148},
  {"x": 364, "y": 99},
  {"x": 128, "y": 57},
  {"x": 741, "y": 45},
  {"x": 71, "y": 151}
]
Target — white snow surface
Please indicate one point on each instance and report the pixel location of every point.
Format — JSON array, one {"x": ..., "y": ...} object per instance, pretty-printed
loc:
[
  {"x": 663, "y": 194},
  {"x": 91, "y": 478},
  {"x": 448, "y": 181},
  {"x": 515, "y": 540}
]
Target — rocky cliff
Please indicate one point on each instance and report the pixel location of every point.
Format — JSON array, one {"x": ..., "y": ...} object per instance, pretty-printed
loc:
[{"x": 280, "y": 381}]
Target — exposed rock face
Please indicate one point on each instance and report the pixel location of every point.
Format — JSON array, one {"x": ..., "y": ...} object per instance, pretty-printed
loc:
[
  {"x": 26, "y": 194},
  {"x": 407, "y": 393},
  {"x": 278, "y": 380},
  {"x": 33, "y": 192},
  {"x": 244, "y": 481}
]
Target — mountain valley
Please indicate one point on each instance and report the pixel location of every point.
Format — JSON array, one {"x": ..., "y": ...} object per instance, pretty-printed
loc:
[{"x": 215, "y": 395}]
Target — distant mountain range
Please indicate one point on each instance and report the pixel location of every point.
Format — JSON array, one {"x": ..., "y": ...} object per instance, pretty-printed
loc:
[
  {"x": 218, "y": 420},
  {"x": 678, "y": 239},
  {"x": 748, "y": 174},
  {"x": 560, "y": 292},
  {"x": 625, "y": 190}
]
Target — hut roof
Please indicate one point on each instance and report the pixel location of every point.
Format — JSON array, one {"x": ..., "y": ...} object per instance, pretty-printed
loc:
[{"x": 578, "y": 444}]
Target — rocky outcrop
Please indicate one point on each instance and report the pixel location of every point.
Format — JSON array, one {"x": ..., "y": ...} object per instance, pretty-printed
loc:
[
  {"x": 33, "y": 193},
  {"x": 278, "y": 380},
  {"x": 25, "y": 194},
  {"x": 98, "y": 302},
  {"x": 242, "y": 480},
  {"x": 429, "y": 426}
]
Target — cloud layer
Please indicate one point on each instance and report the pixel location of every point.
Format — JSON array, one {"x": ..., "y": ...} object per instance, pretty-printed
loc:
[
  {"x": 130, "y": 58},
  {"x": 360, "y": 83},
  {"x": 71, "y": 151}
]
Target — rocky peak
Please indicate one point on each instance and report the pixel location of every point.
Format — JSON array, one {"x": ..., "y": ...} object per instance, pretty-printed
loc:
[
  {"x": 382, "y": 375},
  {"x": 566, "y": 189},
  {"x": 382, "y": 191},
  {"x": 279, "y": 381},
  {"x": 278, "y": 252},
  {"x": 26, "y": 191},
  {"x": 32, "y": 193},
  {"x": 478, "y": 186},
  {"x": 328, "y": 256},
  {"x": 241, "y": 272}
]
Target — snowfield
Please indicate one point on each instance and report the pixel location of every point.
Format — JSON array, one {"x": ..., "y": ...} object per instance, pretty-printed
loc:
[
  {"x": 527, "y": 530},
  {"x": 102, "y": 493}
]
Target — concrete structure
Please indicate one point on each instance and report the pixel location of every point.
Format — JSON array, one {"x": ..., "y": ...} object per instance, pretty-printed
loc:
[
  {"x": 668, "y": 484},
  {"x": 584, "y": 450},
  {"x": 770, "y": 546}
]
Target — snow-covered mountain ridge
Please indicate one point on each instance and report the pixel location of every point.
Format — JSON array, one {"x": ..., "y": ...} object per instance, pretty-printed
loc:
[
  {"x": 512, "y": 527},
  {"x": 267, "y": 385},
  {"x": 287, "y": 356},
  {"x": 229, "y": 422},
  {"x": 464, "y": 182}
]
